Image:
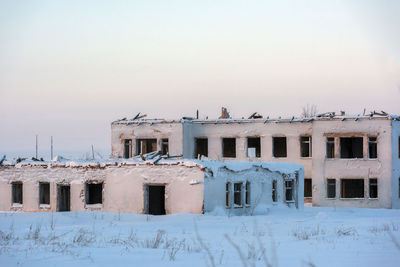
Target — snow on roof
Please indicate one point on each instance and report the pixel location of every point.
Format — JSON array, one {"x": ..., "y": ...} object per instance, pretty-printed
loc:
[{"x": 214, "y": 166}]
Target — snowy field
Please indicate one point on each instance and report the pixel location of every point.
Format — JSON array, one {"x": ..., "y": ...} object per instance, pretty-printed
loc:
[{"x": 283, "y": 237}]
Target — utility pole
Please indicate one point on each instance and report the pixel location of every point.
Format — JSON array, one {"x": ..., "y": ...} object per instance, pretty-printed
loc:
[
  {"x": 36, "y": 146},
  {"x": 92, "y": 153},
  {"x": 51, "y": 149}
]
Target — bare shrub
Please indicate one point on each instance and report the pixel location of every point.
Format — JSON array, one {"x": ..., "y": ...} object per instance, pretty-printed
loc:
[
  {"x": 83, "y": 238},
  {"x": 305, "y": 234},
  {"x": 343, "y": 231}
]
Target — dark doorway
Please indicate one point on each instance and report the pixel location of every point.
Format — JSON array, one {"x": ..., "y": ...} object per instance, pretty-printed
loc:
[
  {"x": 63, "y": 198},
  {"x": 201, "y": 147},
  {"x": 157, "y": 199}
]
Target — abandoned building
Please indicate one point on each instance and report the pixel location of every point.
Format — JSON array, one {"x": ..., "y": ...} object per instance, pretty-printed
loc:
[
  {"x": 348, "y": 160},
  {"x": 151, "y": 186}
]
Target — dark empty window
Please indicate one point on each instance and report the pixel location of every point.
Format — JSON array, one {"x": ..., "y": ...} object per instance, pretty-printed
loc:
[
  {"x": 229, "y": 147},
  {"x": 127, "y": 148},
  {"x": 331, "y": 188},
  {"x": 330, "y": 147},
  {"x": 274, "y": 191},
  {"x": 17, "y": 193},
  {"x": 351, "y": 147},
  {"x": 279, "y": 147},
  {"x": 237, "y": 194},
  {"x": 305, "y": 146},
  {"x": 228, "y": 195},
  {"x": 372, "y": 148},
  {"x": 373, "y": 188},
  {"x": 247, "y": 201},
  {"x": 253, "y": 147},
  {"x": 201, "y": 148},
  {"x": 289, "y": 190},
  {"x": 164, "y": 146},
  {"x": 145, "y": 146},
  {"x": 94, "y": 193},
  {"x": 307, "y": 188},
  {"x": 352, "y": 188},
  {"x": 399, "y": 147},
  {"x": 44, "y": 193}
]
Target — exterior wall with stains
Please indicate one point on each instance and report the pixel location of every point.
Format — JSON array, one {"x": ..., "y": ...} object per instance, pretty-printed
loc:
[
  {"x": 122, "y": 187},
  {"x": 145, "y": 130},
  {"x": 217, "y": 130},
  {"x": 396, "y": 164},
  {"x": 354, "y": 168}
]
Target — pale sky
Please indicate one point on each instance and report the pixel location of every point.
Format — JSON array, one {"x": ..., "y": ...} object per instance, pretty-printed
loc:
[{"x": 69, "y": 68}]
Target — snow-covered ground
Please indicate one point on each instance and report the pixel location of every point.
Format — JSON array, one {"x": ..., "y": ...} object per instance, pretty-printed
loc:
[{"x": 283, "y": 237}]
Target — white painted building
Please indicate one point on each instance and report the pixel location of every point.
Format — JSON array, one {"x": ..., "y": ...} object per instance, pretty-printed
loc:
[
  {"x": 348, "y": 160},
  {"x": 150, "y": 187}
]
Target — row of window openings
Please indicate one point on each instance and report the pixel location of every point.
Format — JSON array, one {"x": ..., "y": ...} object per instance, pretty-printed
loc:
[
  {"x": 93, "y": 193},
  {"x": 279, "y": 147},
  {"x": 144, "y": 146},
  {"x": 241, "y": 193},
  {"x": 352, "y": 147},
  {"x": 352, "y": 188}
]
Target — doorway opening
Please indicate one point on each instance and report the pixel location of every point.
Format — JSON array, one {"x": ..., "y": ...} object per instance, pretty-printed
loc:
[
  {"x": 156, "y": 199},
  {"x": 63, "y": 198}
]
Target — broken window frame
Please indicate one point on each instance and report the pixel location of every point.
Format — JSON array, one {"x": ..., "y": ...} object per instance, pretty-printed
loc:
[
  {"x": 289, "y": 190},
  {"x": 305, "y": 143},
  {"x": 354, "y": 152},
  {"x": 274, "y": 191},
  {"x": 330, "y": 147},
  {"x": 164, "y": 146},
  {"x": 373, "y": 188},
  {"x": 228, "y": 153},
  {"x": 228, "y": 195},
  {"x": 256, "y": 145},
  {"x": 247, "y": 193},
  {"x": 92, "y": 202},
  {"x": 42, "y": 198},
  {"x": 344, "y": 193},
  {"x": 148, "y": 141},
  {"x": 197, "y": 141},
  {"x": 310, "y": 189},
  {"x": 372, "y": 147},
  {"x": 331, "y": 188},
  {"x": 237, "y": 194},
  {"x": 17, "y": 198},
  {"x": 275, "y": 153},
  {"x": 127, "y": 153}
]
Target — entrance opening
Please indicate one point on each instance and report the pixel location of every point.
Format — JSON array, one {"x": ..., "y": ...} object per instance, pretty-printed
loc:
[
  {"x": 156, "y": 199},
  {"x": 63, "y": 197}
]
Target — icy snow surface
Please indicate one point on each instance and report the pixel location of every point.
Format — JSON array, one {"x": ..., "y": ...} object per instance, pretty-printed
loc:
[{"x": 283, "y": 237}]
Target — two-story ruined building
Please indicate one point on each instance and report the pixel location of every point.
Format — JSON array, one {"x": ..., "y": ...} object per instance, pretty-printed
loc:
[{"x": 348, "y": 160}]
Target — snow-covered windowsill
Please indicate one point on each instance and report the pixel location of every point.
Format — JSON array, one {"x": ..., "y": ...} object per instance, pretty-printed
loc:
[
  {"x": 17, "y": 205},
  {"x": 44, "y": 206},
  {"x": 94, "y": 206}
]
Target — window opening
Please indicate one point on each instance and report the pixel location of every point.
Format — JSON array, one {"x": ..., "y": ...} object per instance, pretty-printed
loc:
[
  {"x": 253, "y": 147},
  {"x": 127, "y": 148},
  {"x": 307, "y": 187},
  {"x": 352, "y": 188},
  {"x": 17, "y": 193},
  {"x": 372, "y": 147},
  {"x": 279, "y": 147},
  {"x": 331, "y": 188},
  {"x": 228, "y": 195},
  {"x": 247, "y": 188},
  {"x": 289, "y": 190},
  {"x": 237, "y": 194},
  {"x": 305, "y": 146},
  {"x": 145, "y": 146},
  {"x": 351, "y": 147},
  {"x": 229, "y": 147},
  {"x": 201, "y": 148},
  {"x": 373, "y": 188},
  {"x": 274, "y": 191},
  {"x": 330, "y": 147},
  {"x": 44, "y": 193},
  {"x": 94, "y": 193},
  {"x": 164, "y": 146}
]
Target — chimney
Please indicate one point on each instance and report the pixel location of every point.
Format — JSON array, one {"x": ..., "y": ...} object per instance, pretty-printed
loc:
[
  {"x": 224, "y": 113},
  {"x": 342, "y": 113}
]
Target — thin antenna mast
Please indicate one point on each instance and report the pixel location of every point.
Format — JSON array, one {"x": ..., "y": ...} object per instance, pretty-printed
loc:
[
  {"x": 51, "y": 154},
  {"x": 36, "y": 146},
  {"x": 92, "y": 152}
]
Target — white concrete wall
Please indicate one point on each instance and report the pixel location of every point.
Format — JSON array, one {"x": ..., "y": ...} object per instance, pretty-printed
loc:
[
  {"x": 365, "y": 168},
  {"x": 122, "y": 188},
  {"x": 240, "y": 131},
  {"x": 395, "y": 164},
  {"x": 170, "y": 130},
  {"x": 260, "y": 190}
]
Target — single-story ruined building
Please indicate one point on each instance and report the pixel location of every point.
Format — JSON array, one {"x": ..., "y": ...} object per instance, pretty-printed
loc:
[
  {"x": 349, "y": 160},
  {"x": 153, "y": 186}
]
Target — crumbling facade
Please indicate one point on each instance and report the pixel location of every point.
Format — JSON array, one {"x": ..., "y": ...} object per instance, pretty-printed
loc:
[
  {"x": 151, "y": 186},
  {"x": 348, "y": 160}
]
